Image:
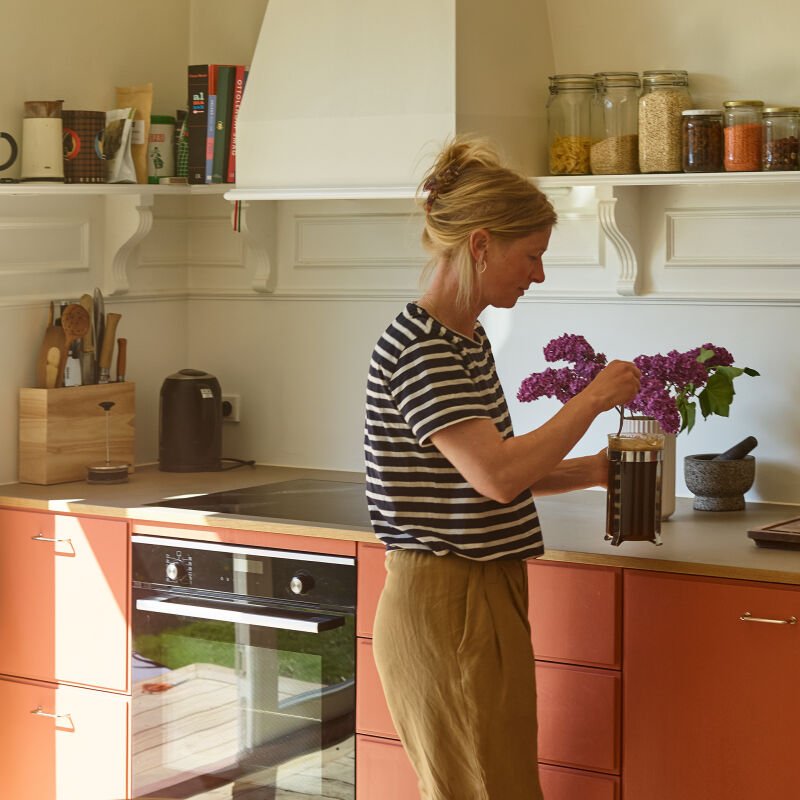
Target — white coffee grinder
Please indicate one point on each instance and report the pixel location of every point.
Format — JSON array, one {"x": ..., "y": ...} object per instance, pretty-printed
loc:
[{"x": 42, "y": 146}]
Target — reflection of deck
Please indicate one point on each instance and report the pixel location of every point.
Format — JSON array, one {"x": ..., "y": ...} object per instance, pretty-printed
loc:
[{"x": 194, "y": 727}]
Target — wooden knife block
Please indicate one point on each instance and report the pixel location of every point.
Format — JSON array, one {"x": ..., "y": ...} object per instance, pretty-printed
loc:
[{"x": 62, "y": 431}]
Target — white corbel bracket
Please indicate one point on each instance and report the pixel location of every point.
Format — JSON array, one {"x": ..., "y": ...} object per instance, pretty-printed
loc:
[
  {"x": 128, "y": 219},
  {"x": 618, "y": 215},
  {"x": 256, "y": 222}
]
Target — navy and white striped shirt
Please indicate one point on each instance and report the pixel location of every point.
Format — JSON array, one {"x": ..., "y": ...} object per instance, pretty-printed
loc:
[{"x": 424, "y": 377}]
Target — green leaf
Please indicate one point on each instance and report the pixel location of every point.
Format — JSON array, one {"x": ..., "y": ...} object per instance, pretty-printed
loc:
[
  {"x": 704, "y": 355},
  {"x": 719, "y": 390},
  {"x": 731, "y": 372},
  {"x": 687, "y": 412},
  {"x": 750, "y": 371},
  {"x": 705, "y": 403}
]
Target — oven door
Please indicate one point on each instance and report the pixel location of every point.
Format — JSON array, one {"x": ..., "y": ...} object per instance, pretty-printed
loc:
[{"x": 236, "y": 699}]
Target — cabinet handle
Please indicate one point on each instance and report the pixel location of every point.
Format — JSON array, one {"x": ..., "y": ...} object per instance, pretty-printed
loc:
[
  {"x": 748, "y": 617},
  {"x": 39, "y": 713},
  {"x": 40, "y": 538}
]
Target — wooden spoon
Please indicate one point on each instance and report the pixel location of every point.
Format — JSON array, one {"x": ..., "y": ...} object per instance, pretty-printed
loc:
[
  {"x": 75, "y": 321},
  {"x": 53, "y": 337}
]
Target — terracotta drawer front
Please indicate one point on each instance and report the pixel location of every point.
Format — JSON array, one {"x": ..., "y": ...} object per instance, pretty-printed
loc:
[
  {"x": 383, "y": 771},
  {"x": 579, "y": 716},
  {"x": 575, "y": 613},
  {"x": 372, "y": 713},
  {"x": 723, "y": 691},
  {"x": 573, "y": 784},
  {"x": 59, "y": 601},
  {"x": 371, "y": 577},
  {"x": 81, "y": 756}
]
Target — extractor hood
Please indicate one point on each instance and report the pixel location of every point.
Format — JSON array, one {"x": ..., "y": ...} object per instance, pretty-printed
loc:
[{"x": 354, "y": 97}]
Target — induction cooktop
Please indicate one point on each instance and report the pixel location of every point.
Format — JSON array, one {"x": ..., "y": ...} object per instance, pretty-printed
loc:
[{"x": 329, "y": 502}]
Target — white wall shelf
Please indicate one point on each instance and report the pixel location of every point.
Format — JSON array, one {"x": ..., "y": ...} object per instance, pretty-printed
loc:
[{"x": 111, "y": 189}]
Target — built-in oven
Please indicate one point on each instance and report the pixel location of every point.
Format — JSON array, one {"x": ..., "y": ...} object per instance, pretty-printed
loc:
[{"x": 243, "y": 672}]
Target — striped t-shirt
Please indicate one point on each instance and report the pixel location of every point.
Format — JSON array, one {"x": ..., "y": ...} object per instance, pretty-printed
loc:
[{"x": 424, "y": 377}]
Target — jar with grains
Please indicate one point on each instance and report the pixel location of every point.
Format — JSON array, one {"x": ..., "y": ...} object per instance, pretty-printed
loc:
[
  {"x": 615, "y": 123},
  {"x": 781, "y": 131},
  {"x": 702, "y": 140},
  {"x": 569, "y": 123},
  {"x": 743, "y": 131},
  {"x": 665, "y": 96}
]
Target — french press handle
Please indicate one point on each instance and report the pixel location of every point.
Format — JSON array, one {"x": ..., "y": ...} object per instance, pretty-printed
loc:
[{"x": 12, "y": 142}]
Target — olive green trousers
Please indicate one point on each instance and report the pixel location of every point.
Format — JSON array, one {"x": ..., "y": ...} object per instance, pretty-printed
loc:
[{"x": 452, "y": 644}]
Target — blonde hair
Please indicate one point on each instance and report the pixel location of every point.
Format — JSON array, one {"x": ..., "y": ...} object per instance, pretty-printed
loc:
[{"x": 467, "y": 188}]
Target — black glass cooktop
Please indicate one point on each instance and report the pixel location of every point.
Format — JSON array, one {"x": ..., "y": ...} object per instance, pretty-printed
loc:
[{"x": 329, "y": 502}]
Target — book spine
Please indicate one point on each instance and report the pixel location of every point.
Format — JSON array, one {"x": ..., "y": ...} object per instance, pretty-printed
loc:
[
  {"x": 211, "y": 121},
  {"x": 197, "y": 122},
  {"x": 222, "y": 127},
  {"x": 238, "y": 93}
]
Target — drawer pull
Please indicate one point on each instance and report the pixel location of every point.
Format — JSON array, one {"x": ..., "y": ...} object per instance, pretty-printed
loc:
[
  {"x": 748, "y": 617},
  {"x": 39, "y": 713},
  {"x": 40, "y": 538}
]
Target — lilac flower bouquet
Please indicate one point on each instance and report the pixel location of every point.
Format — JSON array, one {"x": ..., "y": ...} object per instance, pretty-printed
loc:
[{"x": 672, "y": 386}]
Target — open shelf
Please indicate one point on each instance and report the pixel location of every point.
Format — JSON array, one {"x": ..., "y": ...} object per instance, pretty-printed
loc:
[{"x": 56, "y": 189}]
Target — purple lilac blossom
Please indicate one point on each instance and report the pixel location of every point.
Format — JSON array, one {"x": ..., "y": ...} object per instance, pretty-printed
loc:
[
  {"x": 721, "y": 357},
  {"x": 571, "y": 347}
]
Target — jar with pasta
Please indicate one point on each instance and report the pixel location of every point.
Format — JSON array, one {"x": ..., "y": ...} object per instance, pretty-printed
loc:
[
  {"x": 615, "y": 124},
  {"x": 665, "y": 96},
  {"x": 743, "y": 131},
  {"x": 569, "y": 123},
  {"x": 781, "y": 133}
]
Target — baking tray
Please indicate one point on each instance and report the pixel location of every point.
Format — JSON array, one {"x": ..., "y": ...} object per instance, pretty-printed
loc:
[{"x": 783, "y": 535}]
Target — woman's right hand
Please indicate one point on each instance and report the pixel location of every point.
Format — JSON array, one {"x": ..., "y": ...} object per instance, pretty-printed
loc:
[{"x": 615, "y": 385}]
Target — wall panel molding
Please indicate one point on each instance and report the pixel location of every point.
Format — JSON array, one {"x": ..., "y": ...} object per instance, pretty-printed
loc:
[{"x": 38, "y": 246}]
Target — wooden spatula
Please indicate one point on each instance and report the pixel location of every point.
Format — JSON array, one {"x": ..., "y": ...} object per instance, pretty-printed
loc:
[
  {"x": 53, "y": 337},
  {"x": 75, "y": 321}
]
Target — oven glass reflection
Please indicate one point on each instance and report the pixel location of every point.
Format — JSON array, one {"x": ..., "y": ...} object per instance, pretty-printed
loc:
[{"x": 230, "y": 710}]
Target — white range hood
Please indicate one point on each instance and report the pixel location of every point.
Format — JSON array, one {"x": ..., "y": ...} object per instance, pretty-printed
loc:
[{"x": 349, "y": 98}]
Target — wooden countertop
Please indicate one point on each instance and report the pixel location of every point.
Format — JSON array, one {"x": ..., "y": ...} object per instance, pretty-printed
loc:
[{"x": 695, "y": 542}]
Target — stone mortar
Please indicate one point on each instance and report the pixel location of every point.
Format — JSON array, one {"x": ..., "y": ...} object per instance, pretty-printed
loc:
[{"x": 718, "y": 485}]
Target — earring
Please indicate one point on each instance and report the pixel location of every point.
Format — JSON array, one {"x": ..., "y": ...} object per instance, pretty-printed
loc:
[{"x": 481, "y": 265}]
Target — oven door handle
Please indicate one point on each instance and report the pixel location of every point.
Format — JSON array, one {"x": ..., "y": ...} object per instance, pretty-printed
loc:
[{"x": 298, "y": 621}]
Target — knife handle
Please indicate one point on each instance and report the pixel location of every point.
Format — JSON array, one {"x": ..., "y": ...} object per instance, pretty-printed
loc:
[
  {"x": 122, "y": 353},
  {"x": 108, "y": 339}
]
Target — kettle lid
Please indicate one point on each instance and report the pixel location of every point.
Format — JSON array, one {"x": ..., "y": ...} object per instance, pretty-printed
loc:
[{"x": 190, "y": 374}]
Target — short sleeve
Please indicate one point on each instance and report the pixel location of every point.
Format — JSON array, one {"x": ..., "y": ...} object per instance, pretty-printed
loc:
[{"x": 432, "y": 389}]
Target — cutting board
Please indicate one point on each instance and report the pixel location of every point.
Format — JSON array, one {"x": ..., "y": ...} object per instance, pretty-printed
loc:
[
  {"x": 53, "y": 337},
  {"x": 784, "y": 535}
]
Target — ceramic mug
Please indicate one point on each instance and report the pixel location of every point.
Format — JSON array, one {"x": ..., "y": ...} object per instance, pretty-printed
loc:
[{"x": 14, "y": 150}]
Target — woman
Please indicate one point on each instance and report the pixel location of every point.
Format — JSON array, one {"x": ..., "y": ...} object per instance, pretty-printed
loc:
[{"x": 450, "y": 488}]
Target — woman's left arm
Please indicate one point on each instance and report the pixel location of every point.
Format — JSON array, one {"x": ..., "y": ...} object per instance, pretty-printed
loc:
[{"x": 574, "y": 473}]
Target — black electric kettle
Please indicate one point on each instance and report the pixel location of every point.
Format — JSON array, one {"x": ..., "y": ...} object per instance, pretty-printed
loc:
[{"x": 190, "y": 423}]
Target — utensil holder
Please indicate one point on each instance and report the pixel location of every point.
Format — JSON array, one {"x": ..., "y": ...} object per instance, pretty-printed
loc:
[{"x": 62, "y": 431}]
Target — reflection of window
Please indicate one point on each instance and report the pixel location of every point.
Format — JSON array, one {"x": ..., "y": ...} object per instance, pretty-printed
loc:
[{"x": 201, "y": 642}]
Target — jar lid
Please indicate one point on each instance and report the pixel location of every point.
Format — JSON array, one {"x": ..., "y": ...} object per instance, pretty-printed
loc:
[
  {"x": 666, "y": 77},
  {"x": 572, "y": 81},
  {"x": 782, "y": 110},
  {"x": 702, "y": 112},
  {"x": 618, "y": 79},
  {"x": 742, "y": 103}
]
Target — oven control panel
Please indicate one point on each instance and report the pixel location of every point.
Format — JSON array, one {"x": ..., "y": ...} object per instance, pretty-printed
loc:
[{"x": 246, "y": 571}]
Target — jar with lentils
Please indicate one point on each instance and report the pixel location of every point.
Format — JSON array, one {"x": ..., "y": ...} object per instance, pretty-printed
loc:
[
  {"x": 615, "y": 123},
  {"x": 702, "y": 140},
  {"x": 665, "y": 96},
  {"x": 743, "y": 131},
  {"x": 781, "y": 126},
  {"x": 569, "y": 111}
]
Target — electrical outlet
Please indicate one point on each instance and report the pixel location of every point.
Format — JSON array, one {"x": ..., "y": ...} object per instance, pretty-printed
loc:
[{"x": 231, "y": 408}]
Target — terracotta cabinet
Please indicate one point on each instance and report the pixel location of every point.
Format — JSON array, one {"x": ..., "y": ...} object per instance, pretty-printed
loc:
[
  {"x": 711, "y": 707},
  {"x": 62, "y": 743},
  {"x": 64, "y": 599},
  {"x": 383, "y": 771}
]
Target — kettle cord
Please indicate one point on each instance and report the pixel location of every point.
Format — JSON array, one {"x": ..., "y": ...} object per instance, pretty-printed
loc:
[{"x": 238, "y": 463}]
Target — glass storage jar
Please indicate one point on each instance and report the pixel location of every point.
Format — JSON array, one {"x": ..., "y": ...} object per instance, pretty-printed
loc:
[
  {"x": 781, "y": 131},
  {"x": 665, "y": 96},
  {"x": 615, "y": 123},
  {"x": 569, "y": 123},
  {"x": 702, "y": 140},
  {"x": 743, "y": 131}
]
